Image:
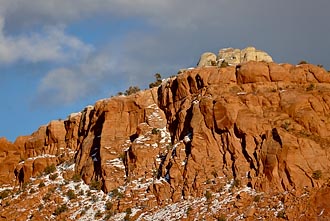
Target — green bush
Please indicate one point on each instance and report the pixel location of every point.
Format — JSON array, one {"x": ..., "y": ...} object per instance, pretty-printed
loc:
[
  {"x": 157, "y": 82},
  {"x": 116, "y": 194},
  {"x": 4, "y": 194},
  {"x": 71, "y": 195},
  {"x": 132, "y": 90},
  {"x": 95, "y": 185},
  {"x": 46, "y": 197},
  {"x": 224, "y": 64},
  {"x": 286, "y": 125},
  {"x": 41, "y": 184},
  {"x": 317, "y": 174},
  {"x": 222, "y": 218},
  {"x": 154, "y": 131},
  {"x": 53, "y": 176},
  {"x": 76, "y": 177},
  {"x": 303, "y": 62},
  {"x": 50, "y": 169},
  {"x": 108, "y": 205},
  {"x": 281, "y": 214},
  {"x": 208, "y": 195},
  {"x": 60, "y": 209},
  {"x": 310, "y": 87},
  {"x": 98, "y": 214}
]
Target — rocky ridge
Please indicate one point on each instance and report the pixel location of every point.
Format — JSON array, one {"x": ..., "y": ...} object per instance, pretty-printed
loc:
[
  {"x": 243, "y": 142},
  {"x": 233, "y": 56}
]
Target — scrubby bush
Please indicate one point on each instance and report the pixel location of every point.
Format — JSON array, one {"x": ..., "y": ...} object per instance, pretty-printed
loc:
[
  {"x": 310, "y": 87},
  {"x": 53, "y": 176},
  {"x": 157, "y": 82},
  {"x": 41, "y": 184},
  {"x": 303, "y": 62},
  {"x": 317, "y": 174},
  {"x": 98, "y": 214},
  {"x": 222, "y": 218},
  {"x": 4, "y": 194},
  {"x": 286, "y": 125},
  {"x": 50, "y": 169},
  {"x": 76, "y": 177},
  {"x": 154, "y": 131},
  {"x": 116, "y": 194},
  {"x": 95, "y": 185},
  {"x": 132, "y": 90},
  {"x": 224, "y": 64},
  {"x": 60, "y": 209},
  {"x": 70, "y": 194},
  {"x": 208, "y": 195},
  {"x": 46, "y": 196},
  {"x": 108, "y": 205}
]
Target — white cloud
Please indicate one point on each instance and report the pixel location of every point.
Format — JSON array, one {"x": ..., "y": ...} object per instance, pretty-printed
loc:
[
  {"x": 66, "y": 85},
  {"x": 51, "y": 44}
]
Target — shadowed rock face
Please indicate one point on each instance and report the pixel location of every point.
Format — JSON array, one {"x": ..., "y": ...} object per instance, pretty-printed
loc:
[{"x": 258, "y": 124}]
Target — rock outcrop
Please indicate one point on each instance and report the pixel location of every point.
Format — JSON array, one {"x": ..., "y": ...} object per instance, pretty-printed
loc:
[
  {"x": 240, "y": 139},
  {"x": 233, "y": 56}
]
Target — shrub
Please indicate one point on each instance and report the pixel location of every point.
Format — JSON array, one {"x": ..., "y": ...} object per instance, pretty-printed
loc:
[
  {"x": 46, "y": 196},
  {"x": 214, "y": 173},
  {"x": 157, "y": 82},
  {"x": 281, "y": 214},
  {"x": 76, "y": 177},
  {"x": 83, "y": 212},
  {"x": 303, "y": 62},
  {"x": 95, "y": 198},
  {"x": 256, "y": 198},
  {"x": 117, "y": 194},
  {"x": 237, "y": 183},
  {"x": 155, "y": 131},
  {"x": 70, "y": 194},
  {"x": 98, "y": 214},
  {"x": 32, "y": 190},
  {"x": 132, "y": 90},
  {"x": 53, "y": 176},
  {"x": 310, "y": 87},
  {"x": 40, "y": 207},
  {"x": 95, "y": 185},
  {"x": 108, "y": 205},
  {"x": 286, "y": 125},
  {"x": 222, "y": 218},
  {"x": 189, "y": 209},
  {"x": 224, "y": 64},
  {"x": 81, "y": 193},
  {"x": 208, "y": 195},
  {"x": 60, "y": 209},
  {"x": 4, "y": 194},
  {"x": 317, "y": 174},
  {"x": 41, "y": 184},
  {"x": 50, "y": 169}
]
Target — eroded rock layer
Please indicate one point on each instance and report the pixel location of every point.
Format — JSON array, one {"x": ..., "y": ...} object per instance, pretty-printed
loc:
[{"x": 258, "y": 125}]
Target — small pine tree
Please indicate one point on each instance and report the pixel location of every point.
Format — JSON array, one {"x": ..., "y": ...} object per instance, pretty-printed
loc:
[
  {"x": 132, "y": 90},
  {"x": 157, "y": 82}
]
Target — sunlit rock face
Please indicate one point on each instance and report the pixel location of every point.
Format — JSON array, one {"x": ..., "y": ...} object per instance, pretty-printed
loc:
[
  {"x": 233, "y": 56},
  {"x": 246, "y": 140}
]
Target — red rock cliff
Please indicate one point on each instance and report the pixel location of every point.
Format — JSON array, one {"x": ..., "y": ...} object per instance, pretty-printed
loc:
[{"x": 261, "y": 125}]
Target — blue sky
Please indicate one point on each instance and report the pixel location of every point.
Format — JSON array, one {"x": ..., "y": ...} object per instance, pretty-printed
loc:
[{"x": 57, "y": 56}]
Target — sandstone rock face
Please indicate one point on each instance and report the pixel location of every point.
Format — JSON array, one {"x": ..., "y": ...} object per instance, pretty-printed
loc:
[
  {"x": 237, "y": 140},
  {"x": 236, "y": 56},
  {"x": 207, "y": 59},
  {"x": 10, "y": 156}
]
